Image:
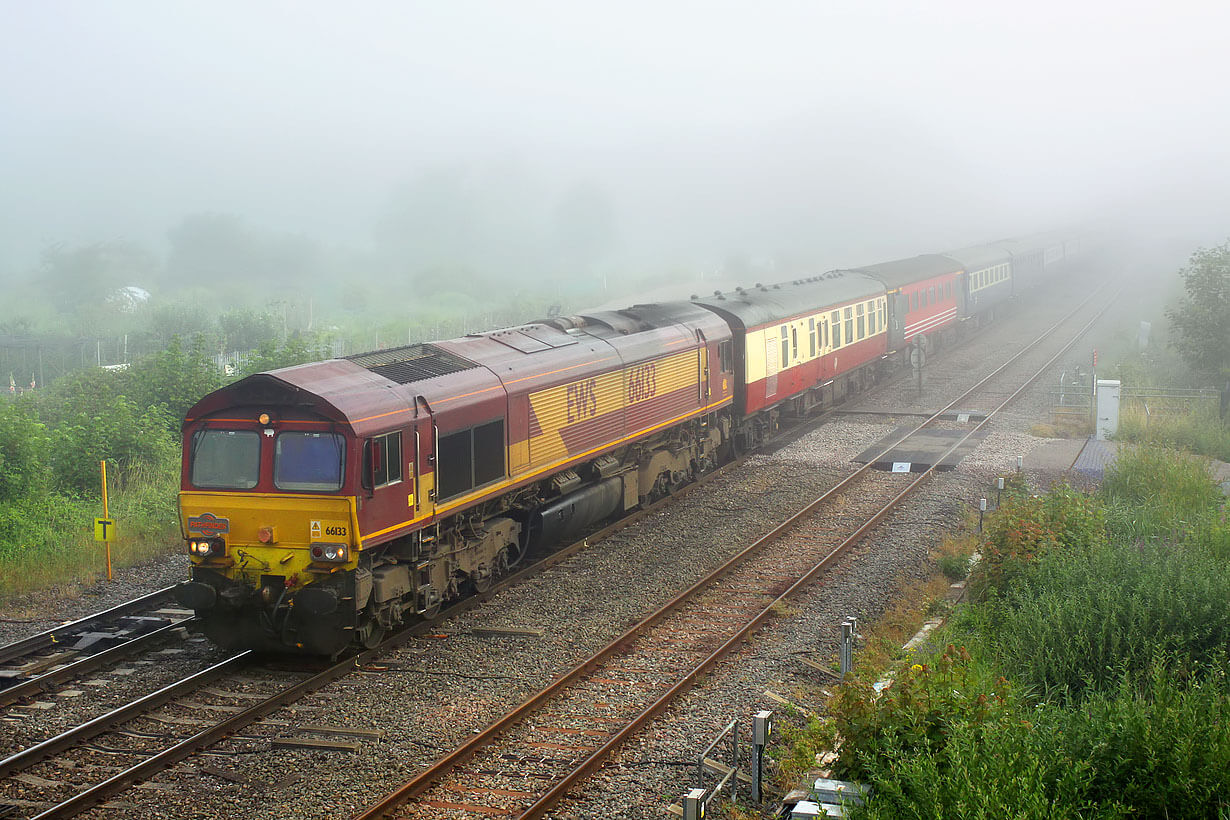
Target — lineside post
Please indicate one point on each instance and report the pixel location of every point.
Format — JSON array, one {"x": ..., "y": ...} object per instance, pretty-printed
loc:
[
  {"x": 106, "y": 514},
  {"x": 762, "y": 727}
]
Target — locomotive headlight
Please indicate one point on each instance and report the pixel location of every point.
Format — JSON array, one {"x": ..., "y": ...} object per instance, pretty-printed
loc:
[
  {"x": 330, "y": 553},
  {"x": 207, "y": 547}
]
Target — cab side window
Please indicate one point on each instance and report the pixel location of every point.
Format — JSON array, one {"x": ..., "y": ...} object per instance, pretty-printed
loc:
[{"x": 382, "y": 460}]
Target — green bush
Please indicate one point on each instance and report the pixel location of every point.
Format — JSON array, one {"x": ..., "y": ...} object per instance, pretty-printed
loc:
[
  {"x": 954, "y": 567},
  {"x": 1026, "y": 528},
  {"x": 116, "y": 431},
  {"x": 23, "y": 451},
  {"x": 1083, "y": 619},
  {"x": 1151, "y": 748},
  {"x": 796, "y": 743},
  {"x": 1116, "y": 645},
  {"x": 1159, "y": 746},
  {"x": 1004, "y": 768},
  {"x": 917, "y": 713}
]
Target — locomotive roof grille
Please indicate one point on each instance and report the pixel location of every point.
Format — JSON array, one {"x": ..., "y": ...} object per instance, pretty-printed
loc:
[{"x": 412, "y": 363}]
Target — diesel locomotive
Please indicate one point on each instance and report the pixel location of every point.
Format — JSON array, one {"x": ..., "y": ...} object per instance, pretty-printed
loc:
[{"x": 327, "y": 503}]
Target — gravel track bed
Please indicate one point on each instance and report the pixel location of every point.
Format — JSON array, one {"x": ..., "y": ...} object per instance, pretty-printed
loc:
[
  {"x": 437, "y": 690},
  {"x": 622, "y": 686},
  {"x": 25, "y": 617},
  {"x": 67, "y": 706}
]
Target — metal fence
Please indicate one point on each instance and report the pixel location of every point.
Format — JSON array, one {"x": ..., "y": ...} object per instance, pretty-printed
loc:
[{"x": 1074, "y": 402}]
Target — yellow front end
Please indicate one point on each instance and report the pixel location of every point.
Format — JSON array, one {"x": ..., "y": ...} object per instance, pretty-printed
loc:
[
  {"x": 270, "y": 534},
  {"x": 273, "y": 571}
]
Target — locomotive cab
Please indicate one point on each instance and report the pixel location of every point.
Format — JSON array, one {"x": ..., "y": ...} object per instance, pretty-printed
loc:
[{"x": 267, "y": 510}]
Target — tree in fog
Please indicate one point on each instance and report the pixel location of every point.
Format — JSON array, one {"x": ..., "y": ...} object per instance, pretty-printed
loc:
[
  {"x": 1202, "y": 319},
  {"x": 222, "y": 250},
  {"x": 213, "y": 249},
  {"x": 85, "y": 276}
]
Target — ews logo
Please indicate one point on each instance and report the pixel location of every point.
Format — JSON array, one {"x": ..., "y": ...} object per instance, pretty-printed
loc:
[{"x": 582, "y": 400}]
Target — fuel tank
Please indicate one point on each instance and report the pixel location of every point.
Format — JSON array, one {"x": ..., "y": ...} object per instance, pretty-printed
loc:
[{"x": 568, "y": 516}]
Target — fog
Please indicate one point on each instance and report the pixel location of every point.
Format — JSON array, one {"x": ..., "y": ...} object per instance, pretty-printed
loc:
[{"x": 620, "y": 140}]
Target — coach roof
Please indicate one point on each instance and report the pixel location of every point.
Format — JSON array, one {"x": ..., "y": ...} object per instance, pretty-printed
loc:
[
  {"x": 977, "y": 257},
  {"x": 765, "y": 304},
  {"x": 907, "y": 271}
]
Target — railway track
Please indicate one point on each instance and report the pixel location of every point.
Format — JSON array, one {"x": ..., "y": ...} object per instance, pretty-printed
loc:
[
  {"x": 41, "y": 662},
  {"x": 527, "y": 761}
]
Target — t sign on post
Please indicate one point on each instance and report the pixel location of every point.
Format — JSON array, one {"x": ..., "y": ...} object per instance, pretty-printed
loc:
[{"x": 104, "y": 528}]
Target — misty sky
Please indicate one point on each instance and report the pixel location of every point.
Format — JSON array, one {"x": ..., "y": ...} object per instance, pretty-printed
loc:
[{"x": 847, "y": 129}]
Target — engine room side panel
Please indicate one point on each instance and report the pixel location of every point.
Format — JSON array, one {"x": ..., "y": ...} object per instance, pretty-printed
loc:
[
  {"x": 662, "y": 389},
  {"x": 572, "y": 418}
]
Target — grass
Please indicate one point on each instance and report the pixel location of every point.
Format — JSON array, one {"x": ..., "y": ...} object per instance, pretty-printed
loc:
[
  {"x": 1200, "y": 432},
  {"x": 884, "y": 637},
  {"x": 1092, "y": 681},
  {"x": 48, "y": 540}
]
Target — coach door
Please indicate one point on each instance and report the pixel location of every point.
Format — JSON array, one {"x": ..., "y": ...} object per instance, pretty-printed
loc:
[
  {"x": 771, "y": 365},
  {"x": 896, "y": 329}
]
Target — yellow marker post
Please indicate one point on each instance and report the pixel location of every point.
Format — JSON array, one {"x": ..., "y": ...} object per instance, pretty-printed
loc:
[{"x": 104, "y": 528}]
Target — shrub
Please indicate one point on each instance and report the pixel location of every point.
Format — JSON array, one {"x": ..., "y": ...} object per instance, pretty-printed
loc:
[
  {"x": 954, "y": 567},
  {"x": 1081, "y": 620},
  {"x": 796, "y": 745},
  {"x": 23, "y": 451},
  {"x": 1028, "y": 527},
  {"x": 917, "y": 714},
  {"x": 1155, "y": 745}
]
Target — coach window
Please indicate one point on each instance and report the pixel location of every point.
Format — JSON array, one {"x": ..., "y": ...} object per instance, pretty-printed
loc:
[
  {"x": 785, "y": 356},
  {"x": 871, "y": 318},
  {"x": 931, "y": 295},
  {"x": 849, "y": 325},
  {"x": 382, "y": 460},
  {"x": 811, "y": 336},
  {"x": 862, "y": 321},
  {"x": 794, "y": 344},
  {"x": 836, "y": 322},
  {"x": 308, "y": 461}
]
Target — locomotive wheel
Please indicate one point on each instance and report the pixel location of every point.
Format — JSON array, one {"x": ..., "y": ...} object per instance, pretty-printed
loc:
[
  {"x": 501, "y": 564},
  {"x": 513, "y": 554},
  {"x": 370, "y": 633}
]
